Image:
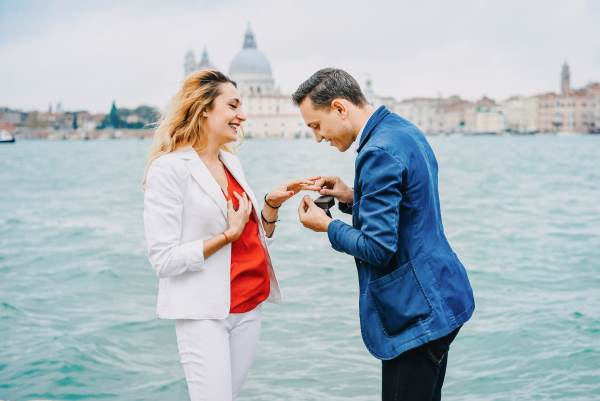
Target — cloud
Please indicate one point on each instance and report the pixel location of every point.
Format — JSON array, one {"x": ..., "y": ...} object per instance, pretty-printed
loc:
[{"x": 88, "y": 55}]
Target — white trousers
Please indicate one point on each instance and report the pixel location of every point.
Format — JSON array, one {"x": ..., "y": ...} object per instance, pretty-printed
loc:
[{"x": 217, "y": 354}]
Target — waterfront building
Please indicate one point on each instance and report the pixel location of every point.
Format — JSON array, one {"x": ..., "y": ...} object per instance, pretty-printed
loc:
[
  {"x": 484, "y": 116},
  {"x": 424, "y": 112},
  {"x": 452, "y": 115},
  {"x": 9, "y": 116},
  {"x": 593, "y": 107},
  {"x": 573, "y": 110},
  {"x": 558, "y": 113},
  {"x": 532, "y": 107},
  {"x": 521, "y": 114},
  {"x": 596, "y": 113}
]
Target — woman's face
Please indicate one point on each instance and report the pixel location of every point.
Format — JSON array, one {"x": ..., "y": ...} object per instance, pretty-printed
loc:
[{"x": 224, "y": 119}]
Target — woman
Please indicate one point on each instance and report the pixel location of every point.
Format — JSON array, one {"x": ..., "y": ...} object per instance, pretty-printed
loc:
[{"x": 206, "y": 240}]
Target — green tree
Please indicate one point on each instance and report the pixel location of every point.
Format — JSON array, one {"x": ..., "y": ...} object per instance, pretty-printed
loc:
[{"x": 113, "y": 117}]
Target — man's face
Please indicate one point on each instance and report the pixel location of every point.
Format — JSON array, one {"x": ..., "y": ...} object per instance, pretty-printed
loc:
[{"x": 329, "y": 124}]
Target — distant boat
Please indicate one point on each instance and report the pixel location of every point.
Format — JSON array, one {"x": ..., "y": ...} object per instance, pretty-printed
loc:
[{"x": 6, "y": 137}]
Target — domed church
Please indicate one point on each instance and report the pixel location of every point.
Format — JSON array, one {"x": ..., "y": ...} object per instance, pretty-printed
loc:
[
  {"x": 251, "y": 68},
  {"x": 270, "y": 113}
]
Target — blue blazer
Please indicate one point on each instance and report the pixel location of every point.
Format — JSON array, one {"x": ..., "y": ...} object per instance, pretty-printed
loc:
[{"x": 413, "y": 287}]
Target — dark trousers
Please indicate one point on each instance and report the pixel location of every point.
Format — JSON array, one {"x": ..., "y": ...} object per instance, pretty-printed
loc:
[{"x": 417, "y": 374}]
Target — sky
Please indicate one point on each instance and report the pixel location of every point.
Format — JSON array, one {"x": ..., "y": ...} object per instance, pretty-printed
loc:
[{"x": 85, "y": 54}]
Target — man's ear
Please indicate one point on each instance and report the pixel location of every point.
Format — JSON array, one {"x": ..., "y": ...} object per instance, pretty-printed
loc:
[{"x": 339, "y": 107}]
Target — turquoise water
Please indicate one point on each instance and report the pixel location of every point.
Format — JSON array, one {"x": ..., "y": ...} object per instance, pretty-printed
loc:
[{"x": 77, "y": 294}]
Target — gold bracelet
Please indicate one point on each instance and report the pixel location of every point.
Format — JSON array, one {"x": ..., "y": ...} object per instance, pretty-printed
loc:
[{"x": 226, "y": 237}]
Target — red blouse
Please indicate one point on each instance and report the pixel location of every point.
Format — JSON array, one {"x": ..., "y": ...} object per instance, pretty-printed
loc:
[{"x": 250, "y": 284}]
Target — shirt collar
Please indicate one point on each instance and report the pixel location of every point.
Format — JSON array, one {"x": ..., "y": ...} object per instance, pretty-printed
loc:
[{"x": 359, "y": 136}]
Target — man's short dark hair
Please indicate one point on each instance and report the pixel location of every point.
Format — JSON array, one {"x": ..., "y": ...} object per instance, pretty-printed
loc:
[{"x": 328, "y": 84}]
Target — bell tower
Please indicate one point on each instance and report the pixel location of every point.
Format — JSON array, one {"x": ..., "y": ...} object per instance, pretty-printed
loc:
[{"x": 565, "y": 79}]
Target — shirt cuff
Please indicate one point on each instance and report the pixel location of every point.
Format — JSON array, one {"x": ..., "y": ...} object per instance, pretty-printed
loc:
[{"x": 345, "y": 207}]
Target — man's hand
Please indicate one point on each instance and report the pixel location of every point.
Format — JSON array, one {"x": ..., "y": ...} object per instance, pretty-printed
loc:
[
  {"x": 313, "y": 217},
  {"x": 333, "y": 186}
]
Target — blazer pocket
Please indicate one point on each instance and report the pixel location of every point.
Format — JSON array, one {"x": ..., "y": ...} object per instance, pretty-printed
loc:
[{"x": 399, "y": 299}]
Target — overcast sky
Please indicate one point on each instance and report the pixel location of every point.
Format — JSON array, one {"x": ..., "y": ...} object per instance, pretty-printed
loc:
[{"x": 87, "y": 53}]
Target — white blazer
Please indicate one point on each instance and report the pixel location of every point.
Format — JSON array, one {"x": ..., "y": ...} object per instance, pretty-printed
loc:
[{"x": 183, "y": 206}]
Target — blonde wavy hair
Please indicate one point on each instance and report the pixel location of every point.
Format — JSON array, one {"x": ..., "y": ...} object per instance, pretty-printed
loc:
[{"x": 182, "y": 124}]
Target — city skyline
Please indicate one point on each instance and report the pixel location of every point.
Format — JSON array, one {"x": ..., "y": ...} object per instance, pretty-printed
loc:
[
  {"x": 470, "y": 49},
  {"x": 272, "y": 114}
]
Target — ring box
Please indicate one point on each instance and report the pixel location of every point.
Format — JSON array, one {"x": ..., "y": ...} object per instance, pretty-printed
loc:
[{"x": 325, "y": 202}]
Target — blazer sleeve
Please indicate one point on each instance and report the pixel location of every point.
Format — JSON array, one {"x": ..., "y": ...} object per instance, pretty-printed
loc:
[
  {"x": 163, "y": 209},
  {"x": 379, "y": 207}
]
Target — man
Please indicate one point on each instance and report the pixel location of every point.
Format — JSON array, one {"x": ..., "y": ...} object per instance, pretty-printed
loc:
[{"x": 414, "y": 291}]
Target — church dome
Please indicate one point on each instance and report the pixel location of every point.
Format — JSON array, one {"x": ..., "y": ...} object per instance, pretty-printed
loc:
[{"x": 250, "y": 60}]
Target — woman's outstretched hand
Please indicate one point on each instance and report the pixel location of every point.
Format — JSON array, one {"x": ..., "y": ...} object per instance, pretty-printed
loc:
[{"x": 282, "y": 193}]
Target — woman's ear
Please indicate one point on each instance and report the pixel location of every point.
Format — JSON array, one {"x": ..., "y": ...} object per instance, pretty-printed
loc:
[{"x": 204, "y": 114}]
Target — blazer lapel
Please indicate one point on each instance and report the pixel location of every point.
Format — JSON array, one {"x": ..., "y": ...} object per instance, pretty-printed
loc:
[
  {"x": 204, "y": 178},
  {"x": 236, "y": 171},
  {"x": 235, "y": 168}
]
